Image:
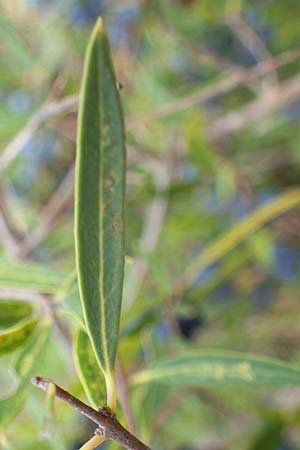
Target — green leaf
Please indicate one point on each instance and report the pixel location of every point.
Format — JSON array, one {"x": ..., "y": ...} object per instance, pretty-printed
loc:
[
  {"x": 29, "y": 276},
  {"x": 14, "y": 337},
  {"x": 28, "y": 362},
  {"x": 240, "y": 231},
  {"x": 16, "y": 44},
  {"x": 227, "y": 267},
  {"x": 72, "y": 309},
  {"x": 270, "y": 436},
  {"x": 88, "y": 369},
  {"x": 12, "y": 311},
  {"x": 99, "y": 201},
  {"x": 220, "y": 369},
  {"x": 198, "y": 144}
]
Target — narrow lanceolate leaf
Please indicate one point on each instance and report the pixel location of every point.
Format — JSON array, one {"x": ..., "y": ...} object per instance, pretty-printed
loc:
[
  {"x": 99, "y": 202},
  {"x": 88, "y": 369},
  {"x": 26, "y": 365},
  {"x": 219, "y": 370},
  {"x": 14, "y": 337},
  {"x": 12, "y": 311},
  {"x": 241, "y": 230},
  {"x": 29, "y": 276}
]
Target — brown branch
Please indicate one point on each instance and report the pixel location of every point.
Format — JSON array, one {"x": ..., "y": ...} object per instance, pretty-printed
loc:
[{"x": 108, "y": 425}]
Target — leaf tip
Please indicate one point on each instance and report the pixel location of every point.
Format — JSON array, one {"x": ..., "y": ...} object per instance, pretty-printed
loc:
[{"x": 99, "y": 27}]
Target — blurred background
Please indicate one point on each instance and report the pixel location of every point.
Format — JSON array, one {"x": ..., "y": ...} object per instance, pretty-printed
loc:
[{"x": 211, "y": 95}]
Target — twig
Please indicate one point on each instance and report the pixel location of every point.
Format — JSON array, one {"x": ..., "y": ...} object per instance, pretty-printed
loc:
[
  {"x": 46, "y": 112},
  {"x": 8, "y": 239},
  {"x": 9, "y": 205},
  {"x": 48, "y": 215},
  {"x": 154, "y": 218},
  {"x": 221, "y": 87},
  {"x": 68, "y": 104},
  {"x": 21, "y": 294},
  {"x": 170, "y": 317},
  {"x": 212, "y": 58},
  {"x": 255, "y": 111},
  {"x": 11, "y": 231},
  {"x": 254, "y": 44},
  {"x": 108, "y": 425}
]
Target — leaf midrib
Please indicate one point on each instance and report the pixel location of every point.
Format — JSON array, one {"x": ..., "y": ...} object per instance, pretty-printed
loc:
[{"x": 101, "y": 252}]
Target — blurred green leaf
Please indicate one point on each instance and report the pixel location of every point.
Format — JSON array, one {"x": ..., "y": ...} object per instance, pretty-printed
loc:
[
  {"x": 26, "y": 365},
  {"x": 69, "y": 299},
  {"x": 68, "y": 287},
  {"x": 14, "y": 337},
  {"x": 10, "y": 122},
  {"x": 88, "y": 369},
  {"x": 225, "y": 182},
  {"x": 12, "y": 311},
  {"x": 17, "y": 45},
  {"x": 159, "y": 273},
  {"x": 99, "y": 204},
  {"x": 261, "y": 245},
  {"x": 226, "y": 269},
  {"x": 72, "y": 308},
  {"x": 240, "y": 231},
  {"x": 200, "y": 150},
  {"x": 220, "y": 369},
  {"x": 29, "y": 276},
  {"x": 270, "y": 437},
  {"x": 152, "y": 397}
]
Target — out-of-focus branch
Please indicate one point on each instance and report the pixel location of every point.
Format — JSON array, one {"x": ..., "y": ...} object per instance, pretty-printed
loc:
[
  {"x": 48, "y": 111},
  {"x": 221, "y": 87},
  {"x": 123, "y": 394},
  {"x": 153, "y": 222},
  {"x": 56, "y": 108},
  {"x": 48, "y": 215},
  {"x": 22, "y": 294},
  {"x": 11, "y": 230},
  {"x": 255, "y": 111},
  {"x": 8, "y": 238},
  {"x": 9, "y": 206},
  {"x": 23, "y": 248},
  {"x": 254, "y": 44}
]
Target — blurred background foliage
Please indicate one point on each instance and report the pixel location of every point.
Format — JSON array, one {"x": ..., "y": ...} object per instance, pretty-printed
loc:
[{"x": 211, "y": 94}]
